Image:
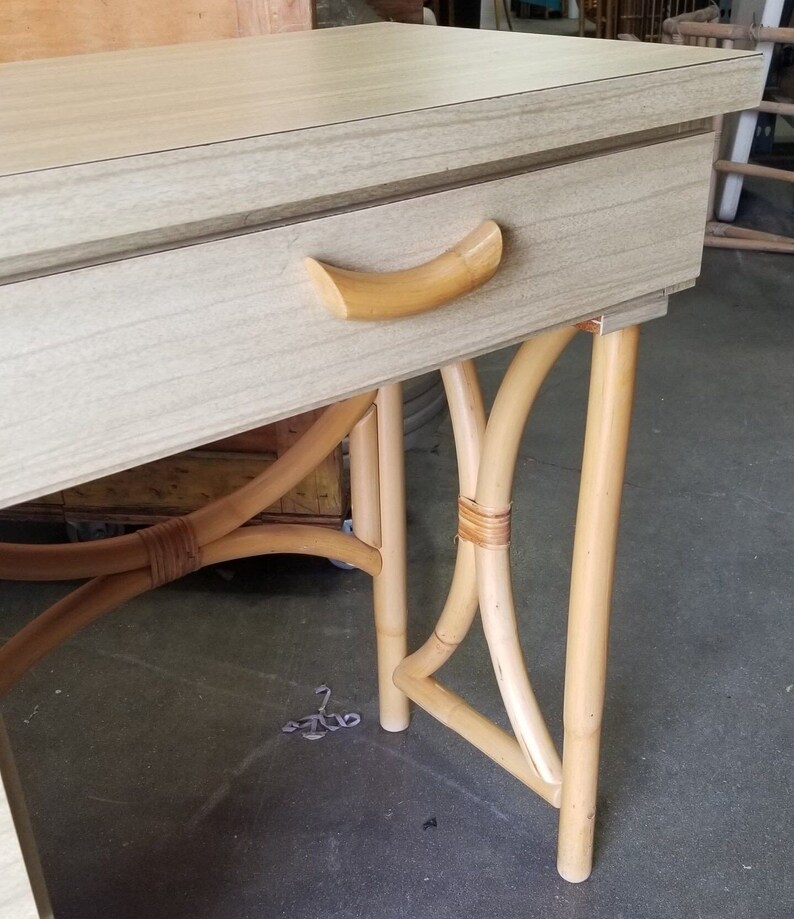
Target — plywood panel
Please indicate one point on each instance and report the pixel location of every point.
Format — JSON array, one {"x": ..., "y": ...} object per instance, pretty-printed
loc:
[
  {"x": 183, "y": 483},
  {"x": 265, "y": 17},
  {"x": 33, "y": 29}
]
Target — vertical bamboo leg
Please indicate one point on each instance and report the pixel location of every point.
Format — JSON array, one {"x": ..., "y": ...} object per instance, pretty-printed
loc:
[
  {"x": 390, "y": 587},
  {"x": 365, "y": 479},
  {"x": 606, "y": 441}
]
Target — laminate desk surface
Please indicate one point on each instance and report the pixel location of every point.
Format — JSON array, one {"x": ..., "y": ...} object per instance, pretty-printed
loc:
[
  {"x": 109, "y": 154},
  {"x": 62, "y": 111}
]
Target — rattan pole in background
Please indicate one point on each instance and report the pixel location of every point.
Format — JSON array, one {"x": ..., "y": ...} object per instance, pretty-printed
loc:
[{"x": 744, "y": 241}]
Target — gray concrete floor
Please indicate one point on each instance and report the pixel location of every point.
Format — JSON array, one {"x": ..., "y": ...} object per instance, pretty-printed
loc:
[{"x": 161, "y": 786}]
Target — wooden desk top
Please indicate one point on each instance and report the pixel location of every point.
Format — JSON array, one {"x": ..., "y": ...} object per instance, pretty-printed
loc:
[
  {"x": 169, "y": 145},
  {"x": 70, "y": 110},
  {"x": 157, "y": 206}
]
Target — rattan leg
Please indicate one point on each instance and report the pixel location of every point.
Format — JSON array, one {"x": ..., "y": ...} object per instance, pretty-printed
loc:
[
  {"x": 511, "y": 409},
  {"x": 606, "y": 442},
  {"x": 415, "y": 674},
  {"x": 129, "y": 565},
  {"x": 390, "y": 586}
]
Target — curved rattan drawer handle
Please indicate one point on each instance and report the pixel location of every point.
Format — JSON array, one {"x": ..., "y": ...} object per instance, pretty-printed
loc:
[{"x": 394, "y": 294}]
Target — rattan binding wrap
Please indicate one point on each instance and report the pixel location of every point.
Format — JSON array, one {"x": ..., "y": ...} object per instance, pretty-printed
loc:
[
  {"x": 488, "y": 527},
  {"x": 172, "y": 550}
]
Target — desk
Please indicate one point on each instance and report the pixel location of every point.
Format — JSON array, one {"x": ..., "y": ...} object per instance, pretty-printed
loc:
[{"x": 205, "y": 216}]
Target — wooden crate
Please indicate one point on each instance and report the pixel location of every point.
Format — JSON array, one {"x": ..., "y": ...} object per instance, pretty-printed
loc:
[{"x": 182, "y": 483}]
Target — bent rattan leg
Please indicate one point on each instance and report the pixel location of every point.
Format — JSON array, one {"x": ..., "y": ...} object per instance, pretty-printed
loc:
[
  {"x": 487, "y": 465},
  {"x": 102, "y": 595},
  {"x": 129, "y": 565},
  {"x": 415, "y": 673},
  {"x": 513, "y": 403},
  {"x": 487, "y": 462},
  {"x": 19, "y": 562},
  {"x": 606, "y": 442}
]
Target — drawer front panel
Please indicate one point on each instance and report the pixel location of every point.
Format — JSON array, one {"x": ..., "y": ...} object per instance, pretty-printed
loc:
[{"x": 108, "y": 367}]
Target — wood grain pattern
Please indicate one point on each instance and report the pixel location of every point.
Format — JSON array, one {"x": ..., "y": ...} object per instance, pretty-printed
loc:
[
  {"x": 153, "y": 99},
  {"x": 254, "y": 344},
  {"x": 403, "y": 91},
  {"x": 34, "y": 29},
  {"x": 81, "y": 215},
  {"x": 180, "y": 484},
  {"x": 270, "y": 17}
]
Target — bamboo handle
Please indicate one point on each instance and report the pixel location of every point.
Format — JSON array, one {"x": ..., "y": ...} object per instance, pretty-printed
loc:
[{"x": 394, "y": 294}]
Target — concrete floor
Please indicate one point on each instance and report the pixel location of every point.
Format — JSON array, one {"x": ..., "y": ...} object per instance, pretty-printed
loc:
[{"x": 160, "y": 784}]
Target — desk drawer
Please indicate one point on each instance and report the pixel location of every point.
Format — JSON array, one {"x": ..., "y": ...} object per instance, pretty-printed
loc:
[{"x": 167, "y": 351}]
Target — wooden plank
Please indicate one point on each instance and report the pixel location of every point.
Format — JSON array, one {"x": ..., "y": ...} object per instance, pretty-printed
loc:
[
  {"x": 31, "y": 29},
  {"x": 303, "y": 499},
  {"x": 170, "y": 486},
  {"x": 22, "y": 891},
  {"x": 259, "y": 440},
  {"x": 180, "y": 484},
  {"x": 154, "y": 99},
  {"x": 34, "y": 29},
  {"x": 254, "y": 344},
  {"x": 266, "y": 17},
  {"x": 329, "y": 487}
]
